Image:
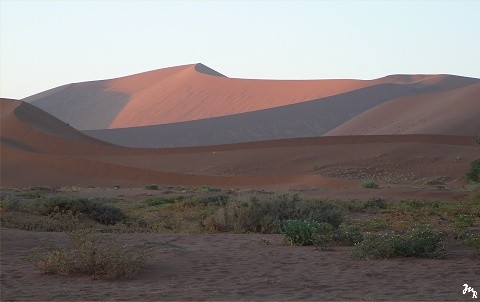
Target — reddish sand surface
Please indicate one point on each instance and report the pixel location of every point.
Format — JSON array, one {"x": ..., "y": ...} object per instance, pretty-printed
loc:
[
  {"x": 38, "y": 149},
  {"x": 194, "y": 92},
  {"x": 450, "y": 112},
  {"x": 241, "y": 267}
]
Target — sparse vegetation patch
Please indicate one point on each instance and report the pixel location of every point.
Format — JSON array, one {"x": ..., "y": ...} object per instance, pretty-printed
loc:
[{"x": 92, "y": 254}]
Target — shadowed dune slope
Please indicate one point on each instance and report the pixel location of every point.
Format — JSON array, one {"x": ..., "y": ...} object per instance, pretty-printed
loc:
[
  {"x": 26, "y": 126},
  {"x": 306, "y": 119},
  {"x": 454, "y": 112},
  {"x": 38, "y": 149},
  {"x": 194, "y": 92}
]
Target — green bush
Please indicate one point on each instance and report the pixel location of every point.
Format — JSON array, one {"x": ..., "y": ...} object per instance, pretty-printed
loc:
[
  {"x": 327, "y": 214},
  {"x": 472, "y": 240},
  {"x": 303, "y": 232},
  {"x": 324, "y": 237},
  {"x": 473, "y": 174},
  {"x": 263, "y": 216},
  {"x": 423, "y": 242},
  {"x": 158, "y": 201},
  {"x": 426, "y": 242},
  {"x": 370, "y": 184},
  {"x": 92, "y": 255},
  {"x": 151, "y": 187},
  {"x": 375, "y": 204},
  {"x": 349, "y": 234},
  {"x": 104, "y": 214},
  {"x": 463, "y": 221}
]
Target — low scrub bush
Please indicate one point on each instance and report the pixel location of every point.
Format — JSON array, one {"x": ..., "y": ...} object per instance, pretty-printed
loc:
[
  {"x": 374, "y": 225},
  {"x": 303, "y": 232},
  {"x": 375, "y": 204},
  {"x": 349, "y": 234},
  {"x": 370, "y": 184},
  {"x": 472, "y": 240},
  {"x": 463, "y": 221},
  {"x": 264, "y": 216},
  {"x": 158, "y": 201},
  {"x": 423, "y": 242},
  {"x": 473, "y": 173},
  {"x": 91, "y": 254},
  {"x": 102, "y": 213},
  {"x": 151, "y": 187}
]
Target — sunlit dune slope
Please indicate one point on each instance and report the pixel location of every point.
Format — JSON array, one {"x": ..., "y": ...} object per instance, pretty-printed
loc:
[
  {"x": 195, "y": 92},
  {"x": 453, "y": 112},
  {"x": 305, "y": 119}
]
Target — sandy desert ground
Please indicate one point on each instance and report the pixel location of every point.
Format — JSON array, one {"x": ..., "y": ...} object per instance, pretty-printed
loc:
[{"x": 237, "y": 267}]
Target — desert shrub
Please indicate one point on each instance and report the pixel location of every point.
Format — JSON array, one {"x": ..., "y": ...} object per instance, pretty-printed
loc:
[
  {"x": 370, "y": 184},
  {"x": 107, "y": 215},
  {"x": 91, "y": 254},
  {"x": 158, "y": 201},
  {"x": 303, "y": 232},
  {"x": 210, "y": 189},
  {"x": 32, "y": 194},
  {"x": 102, "y": 213},
  {"x": 218, "y": 200},
  {"x": 376, "y": 246},
  {"x": 52, "y": 259},
  {"x": 324, "y": 238},
  {"x": 374, "y": 225},
  {"x": 463, "y": 221},
  {"x": 151, "y": 187},
  {"x": 375, "y": 204},
  {"x": 423, "y": 242},
  {"x": 256, "y": 215},
  {"x": 349, "y": 234},
  {"x": 474, "y": 195},
  {"x": 471, "y": 240},
  {"x": 327, "y": 214},
  {"x": 473, "y": 173}
]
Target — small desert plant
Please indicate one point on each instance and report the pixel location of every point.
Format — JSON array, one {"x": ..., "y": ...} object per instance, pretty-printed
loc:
[
  {"x": 422, "y": 241},
  {"x": 102, "y": 213},
  {"x": 158, "y": 201},
  {"x": 303, "y": 232},
  {"x": 471, "y": 240},
  {"x": 473, "y": 174},
  {"x": 463, "y": 221},
  {"x": 91, "y": 254},
  {"x": 256, "y": 215},
  {"x": 375, "y": 204},
  {"x": 151, "y": 187},
  {"x": 374, "y": 225},
  {"x": 370, "y": 184},
  {"x": 475, "y": 193},
  {"x": 349, "y": 234}
]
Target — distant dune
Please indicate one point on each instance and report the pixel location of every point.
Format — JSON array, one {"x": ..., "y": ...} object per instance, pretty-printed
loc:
[
  {"x": 191, "y": 125},
  {"x": 194, "y": 92},
  {"x": 38, "y": 149},
  {"x": 305, "y": 119},
  {"x": 455, "y": 112}
]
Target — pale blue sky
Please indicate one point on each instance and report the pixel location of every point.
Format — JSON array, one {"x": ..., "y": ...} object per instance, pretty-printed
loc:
[{"x": 46, "y": 44}]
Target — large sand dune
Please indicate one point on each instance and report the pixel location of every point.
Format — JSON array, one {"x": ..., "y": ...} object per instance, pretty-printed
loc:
[
  {"x": 312, "y": 118},
  {"x": 194, "y": 92},
  {"x": 38, "y": 149},
  {"x": 454, "y": 112}
]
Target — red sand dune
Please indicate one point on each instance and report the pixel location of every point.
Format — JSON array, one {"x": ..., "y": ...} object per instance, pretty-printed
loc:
[
  {"x": 454, "y": 112},
  {"x": 38, "y": 149},
  {"x": 194, "y": 92}
]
